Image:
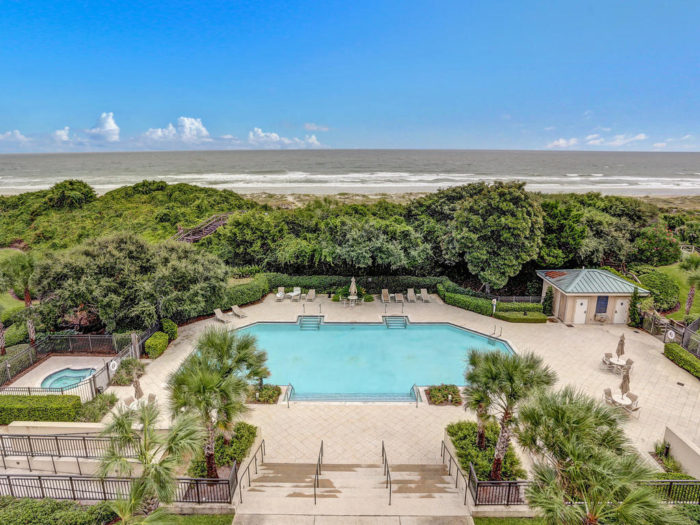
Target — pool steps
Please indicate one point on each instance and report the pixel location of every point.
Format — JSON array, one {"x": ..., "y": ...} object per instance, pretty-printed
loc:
[
  {"x": 396, "y": 321},
  {"x": 310, "y": 322},
  {"x": 357, "y": 398}
]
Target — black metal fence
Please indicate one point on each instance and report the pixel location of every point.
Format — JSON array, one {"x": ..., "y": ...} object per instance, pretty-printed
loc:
[
  {"x": 88, "y": 488},
  {"x": 670, "y": 331},
  {"x": 64, "y": 445}
]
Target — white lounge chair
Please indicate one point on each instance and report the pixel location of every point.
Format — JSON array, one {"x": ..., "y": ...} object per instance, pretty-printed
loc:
[
  {"x": 424, "y": 295},
  {"x": 385, "y": 296},
  {"x": 280, "y": 294},
  {"x": 296, "y": 294},
  {"x": 220, "y": 316},
  {"x": 411, "y": 295},
  {"x": 311, "y": 295},
  {"x": 235, "y": 310},
  {"x": 398, "y": 297}
]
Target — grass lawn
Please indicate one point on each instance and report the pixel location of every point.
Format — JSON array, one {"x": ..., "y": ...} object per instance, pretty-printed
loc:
[
  {"x": 508, "y": 521},
  {"x": 6, "y": 300},
  {"x": 681, "y": 277},
  {"x": 201, "y": 519}
]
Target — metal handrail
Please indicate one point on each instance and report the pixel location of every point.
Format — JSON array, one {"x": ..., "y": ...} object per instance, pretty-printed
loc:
[
  {"x": 319, "y": 464},
  {"x": 387, "y": 473},
  {"x": 416, "y": 393},
  {"x": 288, "y": 394},
  {"x": 239, "y": 485},
  {"x": 458, "y": 471}
]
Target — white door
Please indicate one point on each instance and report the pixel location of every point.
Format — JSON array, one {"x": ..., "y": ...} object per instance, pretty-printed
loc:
[
  {"x": 580, "y": 311},
  {"x": 622, "y": 307}
]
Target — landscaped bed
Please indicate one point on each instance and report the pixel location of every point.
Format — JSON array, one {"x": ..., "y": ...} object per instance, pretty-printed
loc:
[
  {"x": 444, "y": 395},
  {"x": 236, "y": 450},
  {"x": 267, "y": 395}
]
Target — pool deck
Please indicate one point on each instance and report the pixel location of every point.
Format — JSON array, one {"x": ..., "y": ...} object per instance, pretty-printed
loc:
[
  {"x": 352, "y": 432},
  {"x": 36, "y": 375}
]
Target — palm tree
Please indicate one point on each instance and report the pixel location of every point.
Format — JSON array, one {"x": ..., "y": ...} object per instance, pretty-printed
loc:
[
  {"x": 478, "y": 399},
  {"x": 691, "y": 264},
  {"x": 205, "y": 388},
  {"x": 18, "y": 271},
  {"x": 158, "y": 454},
  {"x": 510, "y": 379},
  {"x": 600, "y": 486},
  {"x": 131, "y": 509}
]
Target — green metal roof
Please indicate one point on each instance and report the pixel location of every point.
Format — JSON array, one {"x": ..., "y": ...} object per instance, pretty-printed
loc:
[{"x": 589, "y": 281}]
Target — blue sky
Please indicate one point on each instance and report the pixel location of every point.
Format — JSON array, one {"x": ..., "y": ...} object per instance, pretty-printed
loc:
[{"x": 118, "y": 75}]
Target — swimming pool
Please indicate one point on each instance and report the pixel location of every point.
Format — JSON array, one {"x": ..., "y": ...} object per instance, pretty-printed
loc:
[
  {"x": 366, "y": 360},
  {"x": 66, "y": 377}
]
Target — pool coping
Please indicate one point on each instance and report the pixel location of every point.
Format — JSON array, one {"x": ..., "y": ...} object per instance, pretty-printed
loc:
[{"x": 421, "y": 388}]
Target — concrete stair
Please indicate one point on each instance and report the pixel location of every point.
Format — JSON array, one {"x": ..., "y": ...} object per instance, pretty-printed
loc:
[{"x": 357, "y": 490}]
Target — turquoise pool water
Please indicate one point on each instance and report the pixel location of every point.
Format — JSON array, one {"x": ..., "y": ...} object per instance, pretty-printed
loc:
[
  {"x": 66, "y": 377},
  {"x": 366, "y": 358}
]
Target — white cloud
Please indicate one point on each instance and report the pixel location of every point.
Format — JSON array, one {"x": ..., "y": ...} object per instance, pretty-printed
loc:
[
  {"x": 311, "y": 126},
  {"x": 563, "y": 143},
  {"x": 621, "y": 140},
  {"x": 61, "y": 135},
  {"x": 587, "y": 114},
  {"x": 270, "y": 140},
  {"x": 167, "y": 133},
  {"x": 659, "y": 144},
  {"x": 106, "y": 128},
  {"x": 14, "y": 136},
  {"x": 550, "y": 128},
  {"x": 189, "y": 129},
  {"x": 594, "y": 139},
  {"x": 686, "y": 137}
]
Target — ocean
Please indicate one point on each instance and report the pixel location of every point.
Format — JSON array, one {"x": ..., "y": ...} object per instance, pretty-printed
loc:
[{"x": 362, "y": 171}]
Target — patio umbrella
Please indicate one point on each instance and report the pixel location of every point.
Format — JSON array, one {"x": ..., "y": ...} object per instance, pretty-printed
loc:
[
  {"x": 620, "y": 346},
  {"x": 625, "y": 385},
  {"x": 353, "y": 287}
]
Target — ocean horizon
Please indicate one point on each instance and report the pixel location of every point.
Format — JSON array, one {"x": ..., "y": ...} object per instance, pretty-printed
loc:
[{"x": 362, "y": 171}]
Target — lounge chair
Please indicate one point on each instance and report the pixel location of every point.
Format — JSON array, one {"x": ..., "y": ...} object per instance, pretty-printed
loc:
[
  {"x": 424, "y": 295},
  {"x": 235, "y": 310},
  {"x": 280, "y": 294},
  {"x": 296, "y": 294},
  {"x": 398, "y": 298},
  {"x": 411, "y": 295},
  {"x": 311, "y": 295},
  {"x": 220, "y": 316},
  {"x": 385, "y": 296},
  {"x": 607, "y": 395}
]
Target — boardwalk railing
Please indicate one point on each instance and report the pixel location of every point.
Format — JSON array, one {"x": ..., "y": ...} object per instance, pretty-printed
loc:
[
  {"x": 88, "y": 488},
  {"x": 63, "y": 445}
]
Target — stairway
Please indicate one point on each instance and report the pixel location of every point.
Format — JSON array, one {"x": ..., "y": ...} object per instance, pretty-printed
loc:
[
  {"x": 396, "y": 321},
  {"x": 287, "y": 489},
  {"x": 310, "y": 322}
]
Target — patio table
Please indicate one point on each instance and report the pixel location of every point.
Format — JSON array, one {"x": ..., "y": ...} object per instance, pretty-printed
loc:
[
  {"x": 618, "y": 361},
  {"x": 622, "y": 400}
]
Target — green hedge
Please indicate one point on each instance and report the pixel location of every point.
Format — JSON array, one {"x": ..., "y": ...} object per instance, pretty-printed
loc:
[
  {"x": 156, "y": 344},
  {"x": 26, "y": 511},
  {"x": 225, "y": 454},
  {"x": 473, "y": 304},
  {"x": 518, "y": 307},
  {"x": 682, "y": 358},
  {"x": 38, "y": 408},
  {"x": 520, "y": 317},
  {"x": 250, "y": 292},
  {"x": 170, "y": 328}
]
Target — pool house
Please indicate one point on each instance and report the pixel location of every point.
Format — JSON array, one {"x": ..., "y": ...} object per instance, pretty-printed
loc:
[{"x": 584, "y": 295}]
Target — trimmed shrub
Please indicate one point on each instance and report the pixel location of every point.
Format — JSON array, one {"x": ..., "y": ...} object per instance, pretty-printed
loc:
[
  {"x": 473, "y": 304},
  {"x": 682, "y": 358},
  {"x": 38, "y": 408},
  {"x": 368, "y": 298},
  {"x": 29, "y": 511},
  {"x": 269, "y": 394},
  {"x": 664, "y": 290},
  {"x": 93, "y": 411},
  {"x": 521, "y": 317},
  {"x": 170, "y": 328},
  {"x": 548, "y": 302},
  {"x": 226, "y": 453},
  {"x": 518, "y": 307},
  {"x": 239, "y": 294},
  {"x": 440, "y": 395},
  {"x": 463, "y": 435},
  {"x": 11, "y": 315},
  {"x": 125, "y": 373},
  {"x": 156, "y": 344}
]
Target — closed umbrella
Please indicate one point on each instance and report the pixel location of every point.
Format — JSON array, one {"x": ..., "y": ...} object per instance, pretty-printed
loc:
[
  {"x": 353, "y": 288},
  {"x": 620, "y": 346},
  {"x": 625, "y": 385}
]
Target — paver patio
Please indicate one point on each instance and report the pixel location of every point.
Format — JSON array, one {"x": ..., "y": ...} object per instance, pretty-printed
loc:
[{"x": 353, "y": 431}]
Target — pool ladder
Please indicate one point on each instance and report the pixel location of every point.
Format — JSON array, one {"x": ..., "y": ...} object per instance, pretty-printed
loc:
[{"x": 396, "y": 321}]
